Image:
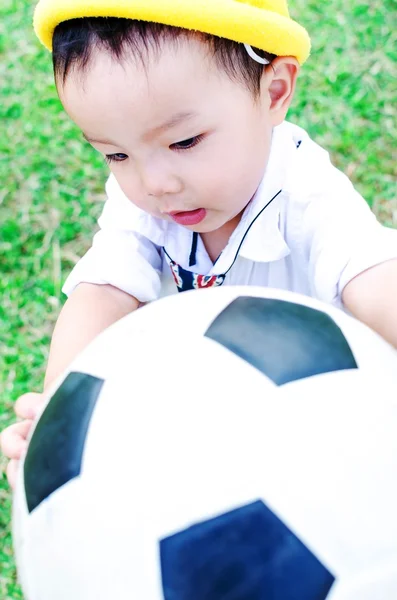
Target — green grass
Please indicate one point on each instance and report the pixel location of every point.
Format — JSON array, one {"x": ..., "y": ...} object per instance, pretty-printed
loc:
[{"x": 51, "y": 188}]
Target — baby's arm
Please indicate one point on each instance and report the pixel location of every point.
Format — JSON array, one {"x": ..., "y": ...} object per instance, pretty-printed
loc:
[
  {"x": 372, "y": 298},
  {"x": 90, "y": 309}
]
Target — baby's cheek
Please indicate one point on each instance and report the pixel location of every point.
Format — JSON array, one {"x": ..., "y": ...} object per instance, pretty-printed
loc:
[
  {"x": 127, "y": 182},
  {"x": 148, "y": 205},
  {"x": 131, "y": 189}
]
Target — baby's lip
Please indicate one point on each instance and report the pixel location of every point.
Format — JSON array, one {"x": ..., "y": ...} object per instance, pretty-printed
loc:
[
  {"x": 188, "y": 217},
  {"x": 178, "y": 212}
]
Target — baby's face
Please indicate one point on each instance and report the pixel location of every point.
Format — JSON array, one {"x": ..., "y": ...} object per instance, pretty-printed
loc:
[{"x": 180, "y": 136}]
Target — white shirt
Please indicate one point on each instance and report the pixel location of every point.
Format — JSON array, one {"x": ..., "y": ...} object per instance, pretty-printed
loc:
[{"x": 315, "y": 234}]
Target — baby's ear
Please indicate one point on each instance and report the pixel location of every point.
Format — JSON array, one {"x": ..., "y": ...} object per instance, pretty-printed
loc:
[{"x": 280, "y": 82}]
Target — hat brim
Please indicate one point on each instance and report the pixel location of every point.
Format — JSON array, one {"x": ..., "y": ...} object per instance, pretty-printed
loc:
[{"x": 231, "y": 19}]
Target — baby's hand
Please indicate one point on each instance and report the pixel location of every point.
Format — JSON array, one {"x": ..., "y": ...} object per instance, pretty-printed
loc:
[{"x": 13, "y": 439}]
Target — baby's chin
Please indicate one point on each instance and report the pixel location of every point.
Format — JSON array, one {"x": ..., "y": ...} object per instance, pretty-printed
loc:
[{"x": 216, "y": 222}]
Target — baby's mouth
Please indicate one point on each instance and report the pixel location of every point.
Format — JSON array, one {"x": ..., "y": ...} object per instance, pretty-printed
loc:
[{"x": 188, "y": 217}]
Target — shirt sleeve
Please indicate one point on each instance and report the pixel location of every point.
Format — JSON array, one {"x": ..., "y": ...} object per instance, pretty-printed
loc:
[
  {"x": 340, "y": 235},
  {"x": 121, "y": 255}
]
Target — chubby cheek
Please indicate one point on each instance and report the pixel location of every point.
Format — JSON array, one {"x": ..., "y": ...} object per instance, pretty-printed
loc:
[
  {"x": 232, "y": 180},
  {"x": 132, "y": 190}
]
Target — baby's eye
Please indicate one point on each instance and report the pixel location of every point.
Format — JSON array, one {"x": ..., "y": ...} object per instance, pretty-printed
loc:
[
  {"x": 187, "y": 144},
  {"x": 118, "y": 157}
]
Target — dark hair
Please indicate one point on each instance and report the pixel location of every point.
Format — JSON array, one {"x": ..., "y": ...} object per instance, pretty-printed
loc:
[{"x": 74, "y": 40}]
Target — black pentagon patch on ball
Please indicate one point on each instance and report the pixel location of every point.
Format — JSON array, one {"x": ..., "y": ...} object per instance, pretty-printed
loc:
[
  {"x": 55, "y": 451},
  {"x": 245, "y": 554},
  {"x": 284, "y": 340}
]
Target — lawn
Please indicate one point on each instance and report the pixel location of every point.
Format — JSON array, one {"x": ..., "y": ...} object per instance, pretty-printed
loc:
[{"x": 52, "y": 182}]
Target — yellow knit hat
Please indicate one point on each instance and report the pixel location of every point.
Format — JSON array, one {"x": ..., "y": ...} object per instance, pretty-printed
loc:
[{"x": 264, "y": 24}]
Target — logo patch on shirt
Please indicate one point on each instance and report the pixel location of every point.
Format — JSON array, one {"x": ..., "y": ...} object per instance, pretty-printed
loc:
[{"x": 187, "y": 280}]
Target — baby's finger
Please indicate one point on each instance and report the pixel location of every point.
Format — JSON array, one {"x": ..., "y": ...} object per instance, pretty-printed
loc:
[
  {"x": 27, "y": 405},
  {"x": 13, "y": 439},
  {"x": 12, "y": 472}
]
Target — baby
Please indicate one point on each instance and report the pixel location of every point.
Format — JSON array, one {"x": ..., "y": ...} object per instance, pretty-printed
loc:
[{"x": 210, "y": 185}]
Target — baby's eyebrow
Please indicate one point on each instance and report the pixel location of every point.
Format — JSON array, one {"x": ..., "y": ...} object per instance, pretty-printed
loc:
[
  {"x": 172, "y": 122},
  {"x": 94, "y": 141}
]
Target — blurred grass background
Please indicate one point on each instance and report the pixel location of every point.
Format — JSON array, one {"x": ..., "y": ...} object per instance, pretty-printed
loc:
[{"x": 51, "y": 182}]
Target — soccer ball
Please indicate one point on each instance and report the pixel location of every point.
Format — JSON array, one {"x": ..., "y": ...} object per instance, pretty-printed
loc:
[{"x": 234, "y": 443}]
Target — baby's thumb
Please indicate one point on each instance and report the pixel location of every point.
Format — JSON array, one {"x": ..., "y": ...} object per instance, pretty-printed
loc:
[
  {"x": 27, "y": 406},
  {"x": 12, "y": 472}
]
